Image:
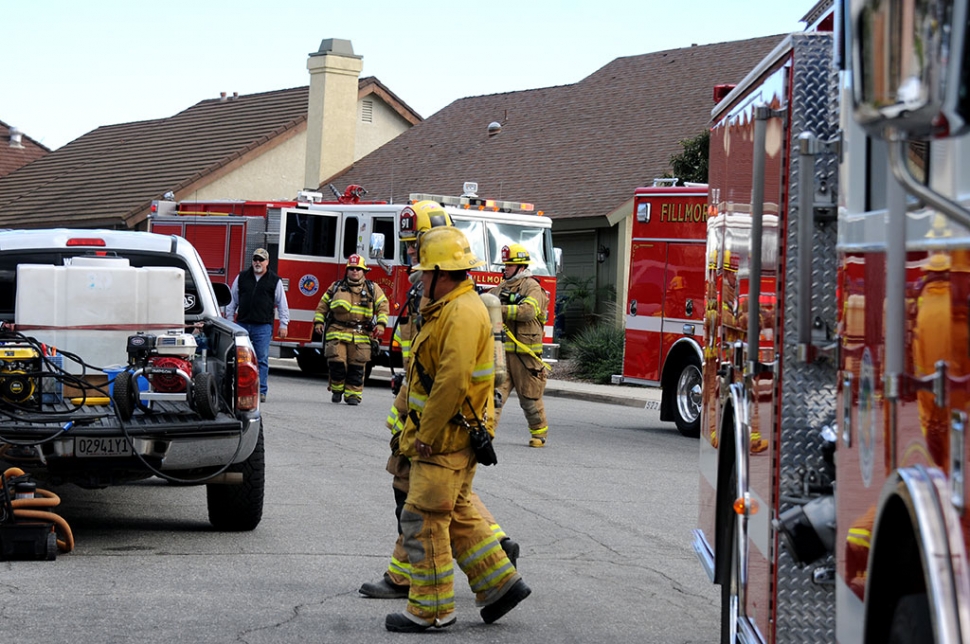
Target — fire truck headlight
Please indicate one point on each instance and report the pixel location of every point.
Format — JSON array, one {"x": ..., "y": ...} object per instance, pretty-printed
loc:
[{"x": 808, "y": 531}]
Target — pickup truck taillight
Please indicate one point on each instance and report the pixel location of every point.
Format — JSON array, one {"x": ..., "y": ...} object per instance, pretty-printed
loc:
[{"x": 247, "y": 379}]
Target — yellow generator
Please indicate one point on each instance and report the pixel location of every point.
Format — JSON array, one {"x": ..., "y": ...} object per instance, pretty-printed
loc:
[{"x": 20, "y": 372}]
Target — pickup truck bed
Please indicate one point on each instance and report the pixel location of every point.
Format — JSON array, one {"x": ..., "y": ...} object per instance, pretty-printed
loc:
[{"x": 91, "y": 445}]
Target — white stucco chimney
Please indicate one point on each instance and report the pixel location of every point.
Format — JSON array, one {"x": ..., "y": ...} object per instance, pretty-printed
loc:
[{"x": 334, "y": 77}]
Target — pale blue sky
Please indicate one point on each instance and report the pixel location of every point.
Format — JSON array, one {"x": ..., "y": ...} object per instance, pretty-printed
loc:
[{"x": 69, "y": 66}]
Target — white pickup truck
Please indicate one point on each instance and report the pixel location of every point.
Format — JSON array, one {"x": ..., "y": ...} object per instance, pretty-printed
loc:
[{"x": 66, "y": 305}]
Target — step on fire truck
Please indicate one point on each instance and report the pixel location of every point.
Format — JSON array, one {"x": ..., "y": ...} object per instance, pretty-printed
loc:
[
  {"x": 836, "y": 379},
  {"x": 309, "y": 241},
  {"x": 665, "y": 298}
]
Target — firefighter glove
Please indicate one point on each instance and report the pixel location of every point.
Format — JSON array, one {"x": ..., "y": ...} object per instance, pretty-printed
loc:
[{"x": 318, "y": 328}]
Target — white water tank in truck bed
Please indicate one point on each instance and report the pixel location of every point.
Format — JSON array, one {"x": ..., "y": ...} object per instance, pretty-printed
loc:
[{"x": 91, "y": 306}]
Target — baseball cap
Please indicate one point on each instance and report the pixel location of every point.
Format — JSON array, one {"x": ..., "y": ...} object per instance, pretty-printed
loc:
[{"x": 261, "y": 252}]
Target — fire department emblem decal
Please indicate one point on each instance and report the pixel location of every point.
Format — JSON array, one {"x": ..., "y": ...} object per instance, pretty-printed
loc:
[
  {"x": 188, "y": 301},
  {"x": 867, "y": 419},
  {"x": 309, "y": 285}
]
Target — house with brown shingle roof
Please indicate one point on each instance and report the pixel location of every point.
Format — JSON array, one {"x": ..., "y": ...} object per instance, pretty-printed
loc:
[
  {"x": 577, "y": 152},
  {"x": 17, "y": 150},
  {"x": 258, "y": 146}
]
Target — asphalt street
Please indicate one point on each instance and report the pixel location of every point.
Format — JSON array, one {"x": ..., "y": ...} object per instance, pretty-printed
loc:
[{"x": 603, "y": 515}]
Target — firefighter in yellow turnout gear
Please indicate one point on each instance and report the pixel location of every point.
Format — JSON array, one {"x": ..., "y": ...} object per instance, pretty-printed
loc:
[
  {"x": 451, "y": 373},
  {"x": 524, "y": 307},
  {"x": 351, "y": 313},
  {"x": 397, "y": 579}
]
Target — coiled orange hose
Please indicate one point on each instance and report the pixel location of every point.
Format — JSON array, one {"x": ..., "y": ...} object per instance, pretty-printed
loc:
[{"x": 34, "y": 509}]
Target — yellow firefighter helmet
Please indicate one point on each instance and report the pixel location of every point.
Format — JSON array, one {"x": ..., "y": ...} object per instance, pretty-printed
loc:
[
  {"x": 420, "y": 218},
  {"x": 515, "y": 254},
  {"x": 446, "y": 248},
  {"x": 356, "y": 261}
]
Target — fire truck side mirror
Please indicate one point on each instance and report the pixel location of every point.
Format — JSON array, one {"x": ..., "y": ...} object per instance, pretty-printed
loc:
[
  {"x": 377, "y": 245},
  {"x": 557, "y": 252},
  {"x": 908, "y": 60}
]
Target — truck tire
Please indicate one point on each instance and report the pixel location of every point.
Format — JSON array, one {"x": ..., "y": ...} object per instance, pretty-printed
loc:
[
  {"x": 911, "y": 621},
  {"x": 124, "y": 394},
  {"x": 205, "y": 398},
  {"x": 687, "y": 398},
  {"x": 729, "y": 589},
  {"x": 312, "y": 362},
  {"x": 239, "y": 507}
]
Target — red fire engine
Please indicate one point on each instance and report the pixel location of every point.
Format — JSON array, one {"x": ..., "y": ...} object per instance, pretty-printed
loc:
[
  {"x": 309, "y": 241},
  {"x": 836, "y": 334},
  {"x": 665, "y": 298}
]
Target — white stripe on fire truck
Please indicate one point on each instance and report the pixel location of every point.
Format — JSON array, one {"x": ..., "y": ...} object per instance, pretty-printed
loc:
[
  {"x": 303, "y": 315},
  {"x": 306, "y": 315},
  {"x": 656, "y": 324},
  {"x": 644, "y": 323},
  {"x": 669, "y": 240}
]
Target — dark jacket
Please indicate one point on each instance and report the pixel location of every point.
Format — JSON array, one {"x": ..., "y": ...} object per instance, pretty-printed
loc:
[{"x": 257, "y": 298}]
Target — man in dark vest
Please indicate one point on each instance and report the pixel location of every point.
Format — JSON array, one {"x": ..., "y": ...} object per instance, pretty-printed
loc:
[{"x": 256, "y": 292}]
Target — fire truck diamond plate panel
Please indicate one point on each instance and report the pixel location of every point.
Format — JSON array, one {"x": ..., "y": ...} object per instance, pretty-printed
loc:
[{"x": 805, "y": 609}]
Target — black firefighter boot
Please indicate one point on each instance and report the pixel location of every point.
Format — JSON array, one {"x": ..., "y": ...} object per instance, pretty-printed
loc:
[
  {"x": 355, "y": 379},
  {"x": 338, "y": 373},
  {"x": 384, "y": 589}
]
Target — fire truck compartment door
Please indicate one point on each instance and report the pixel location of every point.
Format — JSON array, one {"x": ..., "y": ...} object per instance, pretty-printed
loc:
[
  {"x": 644, "y": 319},
  {"x": 220, "y": 244}
]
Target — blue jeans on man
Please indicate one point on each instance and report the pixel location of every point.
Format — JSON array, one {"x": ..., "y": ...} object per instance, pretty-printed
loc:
[{"x": 260, "y": 335}]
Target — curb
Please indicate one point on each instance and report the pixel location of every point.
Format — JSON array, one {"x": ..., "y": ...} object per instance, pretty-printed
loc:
[{"x": 595, "y": 396}]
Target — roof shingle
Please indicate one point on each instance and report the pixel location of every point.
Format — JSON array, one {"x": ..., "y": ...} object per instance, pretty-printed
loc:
[
  {"x": 12, "y": 158},
  {"x": 573, "y": 150},
  {"x": 112, "y": 173}
]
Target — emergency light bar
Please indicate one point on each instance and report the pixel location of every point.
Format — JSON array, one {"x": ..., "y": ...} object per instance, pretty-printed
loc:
[{"x": 474, "y": 202}]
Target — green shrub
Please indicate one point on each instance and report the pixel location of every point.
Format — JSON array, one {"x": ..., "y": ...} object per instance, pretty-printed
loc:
[{"x": 598, "y": 352}]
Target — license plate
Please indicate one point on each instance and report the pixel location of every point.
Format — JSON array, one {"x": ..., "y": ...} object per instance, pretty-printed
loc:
[{"x": 88, "y": 447}]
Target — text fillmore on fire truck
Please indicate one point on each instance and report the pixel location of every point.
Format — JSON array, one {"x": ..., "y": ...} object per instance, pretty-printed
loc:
[
  {"x": 309, "y": 241},
  {"x": 836, "y": 377},
  {"x": 665, "y": 298}
]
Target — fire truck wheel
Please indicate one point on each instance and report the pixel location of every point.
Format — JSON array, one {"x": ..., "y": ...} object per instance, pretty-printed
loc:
[
  {"x": 687, "y": 398},
  {"x": 124, "y": 394},
  {"x": 911, "y": 620},
  {"x": 239, "y": 507},
  {"x": 205, "y": 398},
  {"x": 729, "y": 587},
  {"x": 312, "y": 362}
]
